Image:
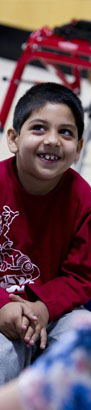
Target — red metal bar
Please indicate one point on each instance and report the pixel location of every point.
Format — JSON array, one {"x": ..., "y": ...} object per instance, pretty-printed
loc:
[
  {"x": 51, "y": 49},
  {"x": 25, "y": 58}
]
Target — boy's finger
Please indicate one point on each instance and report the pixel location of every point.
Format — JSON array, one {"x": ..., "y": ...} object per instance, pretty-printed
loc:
[
  {"x": 18, "y": 325},
  {"x": 26, "y": 312},
  {"x": 43, "y": 338},
  {"x": 32, "y": 334},
  {"x": 29, "y": 334},
  {"x": 36, "y": 335},
  {"x": 25, "y": 323},
  {"x": 16, "y": 298}
]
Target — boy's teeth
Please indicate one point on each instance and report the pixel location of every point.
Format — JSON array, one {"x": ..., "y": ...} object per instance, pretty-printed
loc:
[{"x": 49, "y": 157}]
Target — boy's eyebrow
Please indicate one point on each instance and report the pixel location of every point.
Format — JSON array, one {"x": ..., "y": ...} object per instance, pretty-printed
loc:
[
  {"x": 38, "y": 120},
  {"x": 65, "y": 125},
  {"x": 60, "y": 125}
]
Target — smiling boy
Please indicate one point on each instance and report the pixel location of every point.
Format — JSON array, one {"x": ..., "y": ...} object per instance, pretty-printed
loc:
[
  {"x": 45, "y": 225},
  {"x": 47, "y": 146}
]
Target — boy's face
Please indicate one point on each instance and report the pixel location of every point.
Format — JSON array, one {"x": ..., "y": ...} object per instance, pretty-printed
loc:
[{"x": 47, "y": 145}]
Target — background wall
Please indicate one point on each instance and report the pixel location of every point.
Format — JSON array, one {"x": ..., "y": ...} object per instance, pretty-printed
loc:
[{"x": 33, "y": 14}]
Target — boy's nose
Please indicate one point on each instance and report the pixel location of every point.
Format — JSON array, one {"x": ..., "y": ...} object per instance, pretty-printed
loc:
[{"x": 52, "y": 139}]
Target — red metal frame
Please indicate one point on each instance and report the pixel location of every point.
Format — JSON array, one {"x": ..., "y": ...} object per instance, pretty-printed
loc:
[{"x": 51, "y": 49}]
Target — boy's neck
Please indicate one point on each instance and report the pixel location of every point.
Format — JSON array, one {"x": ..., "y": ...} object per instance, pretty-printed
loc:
[{"x": 35, "y": 186}]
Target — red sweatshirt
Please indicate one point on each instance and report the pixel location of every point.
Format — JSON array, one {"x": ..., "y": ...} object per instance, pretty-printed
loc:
[{"x": 45, "y": 241}]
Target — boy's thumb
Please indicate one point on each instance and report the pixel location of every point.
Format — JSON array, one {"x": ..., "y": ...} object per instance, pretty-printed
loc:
[{"x": 16, "y": 298}]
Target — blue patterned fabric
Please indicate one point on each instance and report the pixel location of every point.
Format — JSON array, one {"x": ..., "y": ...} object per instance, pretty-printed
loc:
[{"x": 61, "y": 378}]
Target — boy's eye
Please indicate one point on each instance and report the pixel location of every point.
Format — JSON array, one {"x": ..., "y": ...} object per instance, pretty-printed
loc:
[
  {"x": 66, "y": 133},
  {"x": 38, "y": 128}
]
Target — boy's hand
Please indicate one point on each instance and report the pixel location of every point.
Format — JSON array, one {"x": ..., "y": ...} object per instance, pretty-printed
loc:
[
  {"x": 13, "y": 324},
  {"x": 38, "y": 328}
]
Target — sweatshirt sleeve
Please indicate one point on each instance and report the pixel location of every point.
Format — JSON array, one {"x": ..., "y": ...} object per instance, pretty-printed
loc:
[
  {"x": 72, "y": 287},
  {"x": 4, "y": 297}
]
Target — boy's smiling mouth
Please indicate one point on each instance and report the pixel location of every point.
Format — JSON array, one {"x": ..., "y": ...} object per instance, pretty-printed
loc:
[{"x": 48, "y": 157}]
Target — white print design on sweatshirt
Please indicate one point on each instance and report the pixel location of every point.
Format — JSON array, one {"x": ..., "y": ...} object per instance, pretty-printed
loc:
[{"x": 13, "y": 259}]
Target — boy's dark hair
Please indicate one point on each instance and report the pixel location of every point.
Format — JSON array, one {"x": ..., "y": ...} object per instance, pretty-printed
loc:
[{"x": 39, "y": 95}]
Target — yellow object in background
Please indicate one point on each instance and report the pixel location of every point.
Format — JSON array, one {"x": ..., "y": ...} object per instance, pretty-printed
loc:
[{"x": 34, "y": 14}]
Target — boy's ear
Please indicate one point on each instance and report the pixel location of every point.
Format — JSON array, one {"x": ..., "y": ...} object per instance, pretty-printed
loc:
[
  {"x": 12, "y": 139},
  {"x": 79, "y": 148}
]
